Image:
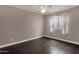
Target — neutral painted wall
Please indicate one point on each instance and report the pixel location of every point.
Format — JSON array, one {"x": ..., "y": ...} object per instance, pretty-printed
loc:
[
  {"x": 73, "y": 25},
  {"x": 19, "y": 25}
]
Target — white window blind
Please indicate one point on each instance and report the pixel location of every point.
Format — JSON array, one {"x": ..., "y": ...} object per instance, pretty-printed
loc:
[{"x": 59, "y": 22}]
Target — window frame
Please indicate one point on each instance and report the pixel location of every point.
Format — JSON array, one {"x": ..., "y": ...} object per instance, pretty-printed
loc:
[{"x": 63, "y": 27}]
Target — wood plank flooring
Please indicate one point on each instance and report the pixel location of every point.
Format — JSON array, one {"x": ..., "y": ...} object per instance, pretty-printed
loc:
[{"x": 42, "y": 46}]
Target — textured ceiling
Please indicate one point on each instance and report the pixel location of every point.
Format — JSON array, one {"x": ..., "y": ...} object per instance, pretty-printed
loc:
[{"x": 50, "y": 8}]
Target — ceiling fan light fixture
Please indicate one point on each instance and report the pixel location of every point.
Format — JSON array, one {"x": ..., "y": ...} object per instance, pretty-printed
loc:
[
  {"x": 42, "y": 7},
  {"x": 43, "y": 11}
]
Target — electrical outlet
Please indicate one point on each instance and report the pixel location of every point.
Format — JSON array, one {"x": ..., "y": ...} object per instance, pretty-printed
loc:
[
  {"x": 12, "y": 39},
  {"x": 66, "y": 35}
]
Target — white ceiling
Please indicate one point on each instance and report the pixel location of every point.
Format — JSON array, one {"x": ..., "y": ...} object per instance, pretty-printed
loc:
[{"x": 50, "y": 8}]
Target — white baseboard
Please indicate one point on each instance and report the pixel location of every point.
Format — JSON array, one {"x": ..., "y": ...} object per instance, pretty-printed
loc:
[
  {"x": 62, "y": 39},
  {"x": 6, "y": 45}
]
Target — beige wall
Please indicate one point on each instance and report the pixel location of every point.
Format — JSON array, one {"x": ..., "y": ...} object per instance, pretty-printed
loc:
[
  {"x": 73, "y": 26},
  {"x": 19, "y": 25}
]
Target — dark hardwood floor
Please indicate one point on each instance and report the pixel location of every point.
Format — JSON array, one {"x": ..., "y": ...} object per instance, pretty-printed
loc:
[{"x": 42, "y": 46}]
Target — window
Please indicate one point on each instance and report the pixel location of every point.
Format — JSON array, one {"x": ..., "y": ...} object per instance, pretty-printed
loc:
[{"x": 59, "y": 22}]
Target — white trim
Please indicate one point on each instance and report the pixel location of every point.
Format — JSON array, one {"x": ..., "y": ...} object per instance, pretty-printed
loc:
[
  {"x": 6, "y": 45},
  {"x": 1, "y": 46},
  {"x": 62, "y": 39}
]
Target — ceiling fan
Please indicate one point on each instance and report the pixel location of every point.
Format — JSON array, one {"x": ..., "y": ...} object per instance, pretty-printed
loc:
[{"x": 44, "y": 8}]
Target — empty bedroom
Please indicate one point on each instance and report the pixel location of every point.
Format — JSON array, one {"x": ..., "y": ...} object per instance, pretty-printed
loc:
[{"x": 39, "y": 29}]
